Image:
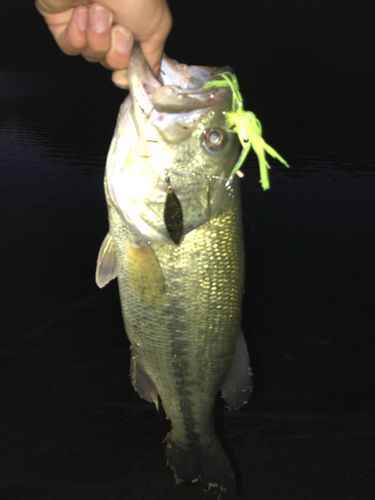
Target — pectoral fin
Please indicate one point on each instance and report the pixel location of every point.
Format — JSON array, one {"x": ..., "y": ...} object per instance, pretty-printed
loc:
[
  {"x": 146, "y": 279},
  {"x": 238, "y": 384},
  {"x": 106, "y": 268}
]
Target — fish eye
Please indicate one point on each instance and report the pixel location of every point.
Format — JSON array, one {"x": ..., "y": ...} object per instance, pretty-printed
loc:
[{"x": 214, "y": 138}]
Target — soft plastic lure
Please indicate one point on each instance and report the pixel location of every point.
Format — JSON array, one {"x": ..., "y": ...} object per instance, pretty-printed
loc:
[{"x": 248, "y": 128}]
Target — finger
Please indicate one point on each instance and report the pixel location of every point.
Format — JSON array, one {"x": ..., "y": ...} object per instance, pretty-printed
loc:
[
  {"x": 73, "y": 39},
  {"x": 153, "y": 48},
  {"x": 120, "y": 78},
  {"x": 68, "y": 29},
  {"x": 153, "y": 53},
  {"x": 46, "y": 7},
  {"x": 98, "y": 32},
  {"x": 120, "y": 51}
]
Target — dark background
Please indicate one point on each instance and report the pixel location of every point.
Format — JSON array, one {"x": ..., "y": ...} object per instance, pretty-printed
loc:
[{"x": 71, "y": 425}]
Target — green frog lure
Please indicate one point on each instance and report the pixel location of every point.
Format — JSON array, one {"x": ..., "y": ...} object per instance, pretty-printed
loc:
[{"x": 248, "y": 128}]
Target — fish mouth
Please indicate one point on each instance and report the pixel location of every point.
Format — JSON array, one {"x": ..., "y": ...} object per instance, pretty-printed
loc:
[{"x": 178, "y": 89}]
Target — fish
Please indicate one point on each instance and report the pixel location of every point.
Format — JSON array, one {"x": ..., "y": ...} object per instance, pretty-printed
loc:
[{"x": 175, "y": 245}]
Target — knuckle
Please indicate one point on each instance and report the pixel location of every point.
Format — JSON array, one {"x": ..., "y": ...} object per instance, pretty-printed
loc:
[{"x": 92, "y": 57}]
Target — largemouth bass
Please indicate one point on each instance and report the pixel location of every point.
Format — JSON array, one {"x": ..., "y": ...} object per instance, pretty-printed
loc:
[{"x": 175, "y": 245}]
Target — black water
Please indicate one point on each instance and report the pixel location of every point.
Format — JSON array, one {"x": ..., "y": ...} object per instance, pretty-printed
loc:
[{"x": 71, "y": 425}]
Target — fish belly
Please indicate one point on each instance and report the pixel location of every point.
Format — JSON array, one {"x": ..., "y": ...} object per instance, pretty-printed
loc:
[{"x": 182, "y": 309}]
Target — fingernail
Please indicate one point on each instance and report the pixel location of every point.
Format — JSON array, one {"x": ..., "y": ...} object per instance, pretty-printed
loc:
[
  {"x": 123, "y": 41},
  {"x": 102, "y": 19},
  {"x": 120, "y": 78},
  {"x": 80, "y": 18}
]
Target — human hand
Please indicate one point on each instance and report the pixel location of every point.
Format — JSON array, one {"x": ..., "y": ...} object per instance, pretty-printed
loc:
[{"x": 105, "y": 32}]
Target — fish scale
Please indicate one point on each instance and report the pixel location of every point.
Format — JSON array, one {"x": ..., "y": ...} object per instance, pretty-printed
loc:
[{"x": 186, "y": 339}]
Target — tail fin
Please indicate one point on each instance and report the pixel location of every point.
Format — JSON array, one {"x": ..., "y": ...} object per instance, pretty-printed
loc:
[{"x": 209, "y": 464}]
